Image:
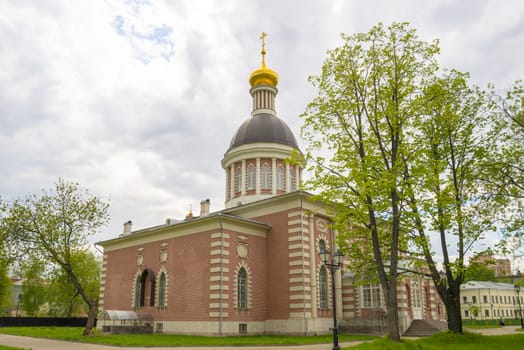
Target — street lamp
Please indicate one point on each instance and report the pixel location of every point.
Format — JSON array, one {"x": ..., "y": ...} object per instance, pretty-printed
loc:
[
  {"x": 517, "y": 289},
  {"x": 334, "y": 263},
  {"x": 18, "y": 303}
]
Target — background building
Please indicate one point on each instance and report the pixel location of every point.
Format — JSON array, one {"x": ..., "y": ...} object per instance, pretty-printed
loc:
[
  {"x": 501, "y": 267},
  {"x": 483, "y": 300}
]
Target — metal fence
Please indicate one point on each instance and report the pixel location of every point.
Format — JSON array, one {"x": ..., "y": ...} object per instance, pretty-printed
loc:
[{"x": 43, "y": 321}]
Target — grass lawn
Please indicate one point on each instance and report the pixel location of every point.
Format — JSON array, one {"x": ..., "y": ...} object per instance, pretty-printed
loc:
[
  {"x": 449, "y": 341},
  {"x": 2, "y": 347},
  {"x": 445, "y": 340},
  {"x": 75, "y": 334}
]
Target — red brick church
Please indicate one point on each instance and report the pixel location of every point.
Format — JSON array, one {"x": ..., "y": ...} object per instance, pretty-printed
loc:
[{"x": 253, "y": 267}]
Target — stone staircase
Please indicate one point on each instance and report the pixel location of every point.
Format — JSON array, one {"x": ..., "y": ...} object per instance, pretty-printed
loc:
[{"x": 425, "y": 328}]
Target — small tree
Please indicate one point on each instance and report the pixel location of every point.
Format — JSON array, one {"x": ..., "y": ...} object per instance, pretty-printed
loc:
[{"x": 53, "y": 227}]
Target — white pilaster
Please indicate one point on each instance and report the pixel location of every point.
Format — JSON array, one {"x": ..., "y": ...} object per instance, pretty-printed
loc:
[{"x": 243, "y": 178}]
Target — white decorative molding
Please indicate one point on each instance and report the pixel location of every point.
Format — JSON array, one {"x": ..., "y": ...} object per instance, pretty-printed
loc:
[
  {"x": 321, "y": 225},
  {"x": 139, "y": 259},
  {"x": 242, "y": 250}
]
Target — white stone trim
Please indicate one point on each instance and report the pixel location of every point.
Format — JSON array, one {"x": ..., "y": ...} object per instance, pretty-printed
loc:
[
  {"x": 242, "y": 264},
  {"x": 162, "y": 270},
  {"x": 217, "y": 287},
  {"x": 299, "y": 279},
  {"x": 218, "y": 278},
  {"x": 138, "y": 274},
  {"x": 220, "y": 235}
]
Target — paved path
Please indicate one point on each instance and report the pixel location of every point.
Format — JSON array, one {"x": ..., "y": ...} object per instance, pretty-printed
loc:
[
  {"x": 48, "y": 344},
  {"x": 495, "y": 331}
]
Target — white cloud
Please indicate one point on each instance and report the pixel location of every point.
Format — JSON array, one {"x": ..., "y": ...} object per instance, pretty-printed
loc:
[{"x": 137, "y": 100}]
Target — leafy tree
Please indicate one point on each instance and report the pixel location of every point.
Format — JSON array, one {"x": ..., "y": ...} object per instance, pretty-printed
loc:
[
  {"x": 446, "y": 196},
  {"x": 53, "y": 227},
  {"x": 401, "y": 154},
  {"x": 368, "y": 101},
  {"x": 476, "y": 271},
  {"x": 63, "y": 298},
  {"x": 504, "y": 170},
  {"x": 33, "y": 287},
  {"x": 5, "y": 281},
  {"x": 5, "y": 285}
]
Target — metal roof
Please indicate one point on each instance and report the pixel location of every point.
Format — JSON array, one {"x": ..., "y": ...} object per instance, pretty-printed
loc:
[
  {"x": 487, "y": 285},
  {"x": 263, "y": 127},
  {"x": 122, "y": 315}
]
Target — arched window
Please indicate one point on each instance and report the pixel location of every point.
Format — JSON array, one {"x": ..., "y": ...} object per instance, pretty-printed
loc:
[
  {"x": 280, "y": 178},
  {"x": 147, "y": 288},
  {"x": 321, "y": 245},
  {"x": 251, "y": 177},
  {"x": 323, "y": 287},
  {"x": 242, "y": 289},
  {"x": 416, "y": 294},
  {"x": 238, "y": 180},
  {"x": 291, "y": 179},
  {"x": 138, "y": 290},
  {"x": 162, "y": 290},
  {"x": 265, "y": 173}
]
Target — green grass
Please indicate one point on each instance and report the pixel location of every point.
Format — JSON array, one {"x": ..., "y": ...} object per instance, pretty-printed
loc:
[
  {"x": 444, "y": 340},
  {"x": 449, "y": 341},
  {"x": 3, "y": 347},
  {"x": 75, "y": 334}
]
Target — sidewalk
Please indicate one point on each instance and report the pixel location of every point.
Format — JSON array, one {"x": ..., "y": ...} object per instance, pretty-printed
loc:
[
  {"x": 496, "y": 331},
  {"x": 48, "y": 344}
]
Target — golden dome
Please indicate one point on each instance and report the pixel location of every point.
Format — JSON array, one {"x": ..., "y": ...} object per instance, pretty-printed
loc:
[{"x": 263, "y": 75}]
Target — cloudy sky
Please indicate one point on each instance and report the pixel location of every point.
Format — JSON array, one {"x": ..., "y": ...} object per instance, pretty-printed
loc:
[{"x": 137, "y": 100}]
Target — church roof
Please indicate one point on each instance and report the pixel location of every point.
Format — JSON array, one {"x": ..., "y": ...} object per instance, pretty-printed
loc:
[{"x": 263, "y": 127}]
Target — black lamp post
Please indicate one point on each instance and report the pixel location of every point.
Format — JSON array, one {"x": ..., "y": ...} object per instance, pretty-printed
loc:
[
  {"x": 517, "y": 289},
  {"x": 334, "y": 263},
  {"x": 18, "y": 303}
]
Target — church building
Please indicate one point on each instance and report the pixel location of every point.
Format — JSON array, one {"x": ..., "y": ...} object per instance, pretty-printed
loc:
[{"x": 253, "y": 267}]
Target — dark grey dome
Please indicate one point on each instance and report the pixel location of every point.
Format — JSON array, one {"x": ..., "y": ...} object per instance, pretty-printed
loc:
[{"x": 263, "y": 127}]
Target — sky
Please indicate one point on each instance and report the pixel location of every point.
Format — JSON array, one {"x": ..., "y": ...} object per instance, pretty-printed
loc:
[{"x": 137, "y": 100}]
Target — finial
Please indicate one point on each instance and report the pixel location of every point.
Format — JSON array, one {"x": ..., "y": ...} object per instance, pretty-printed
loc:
[
  {"x": 263, "y": 52},
  {"x": 263, "y": 75}
]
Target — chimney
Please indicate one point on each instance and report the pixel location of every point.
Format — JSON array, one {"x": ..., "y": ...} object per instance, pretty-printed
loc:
[
  {"x": 204, "y": 207},
  {"x": 127, "y": 227}
]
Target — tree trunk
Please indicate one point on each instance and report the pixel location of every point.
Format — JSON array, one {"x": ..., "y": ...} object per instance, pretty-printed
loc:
[
  {"x": 91, "y": 316},
  {"x": 392, "y": 313},
  {"x": 453, "y": 309}
]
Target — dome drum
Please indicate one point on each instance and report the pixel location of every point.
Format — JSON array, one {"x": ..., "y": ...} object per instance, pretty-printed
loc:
[{"x": 255, "y": 162}]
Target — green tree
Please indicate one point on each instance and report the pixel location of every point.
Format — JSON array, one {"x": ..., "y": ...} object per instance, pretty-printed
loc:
[
  {"x": 5, "y": 281},
  {"x": 476, "y": 271},
  {"x": 359, "y": 134},
  {"x": 5, "y": 285},
  {"x": 33, "y": 287},
  {"x": 504, "y": 170},
  {"x": 53, "y": 227},
  {"x": 64, "y": 300},
  {"x": 445, "y": 193}
]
